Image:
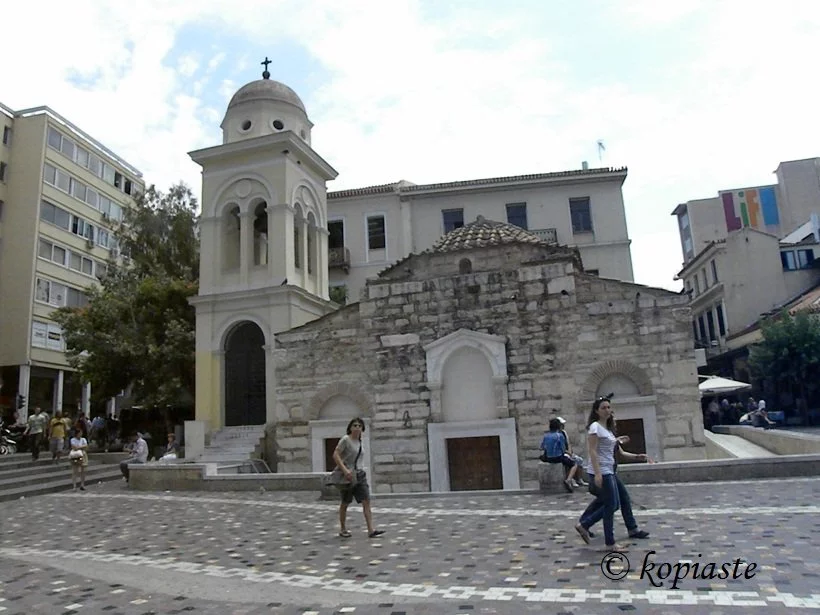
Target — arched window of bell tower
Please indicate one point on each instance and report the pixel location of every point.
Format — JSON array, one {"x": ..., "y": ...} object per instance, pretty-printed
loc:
[
  {"x": 260, "y": 234},
  {"x": 311, "y": 243},
  {"x": 230, "y": 238},
  {"x": 298, "y": 236}
]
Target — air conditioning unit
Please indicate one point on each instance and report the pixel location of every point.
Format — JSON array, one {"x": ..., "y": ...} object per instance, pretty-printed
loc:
[
  {"x": 105, "y": 216},
  {"x": 89, "y": 243}
]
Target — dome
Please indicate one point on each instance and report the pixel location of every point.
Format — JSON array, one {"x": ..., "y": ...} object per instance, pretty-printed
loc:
[
  {"x": 483, "y": 233},
  {"x": 266, "y": 89}
]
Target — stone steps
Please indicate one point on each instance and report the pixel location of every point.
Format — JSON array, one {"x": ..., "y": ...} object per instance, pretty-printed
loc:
[
  {"x": 22, "y": 477},
  {"x": 232, "y": 445}
]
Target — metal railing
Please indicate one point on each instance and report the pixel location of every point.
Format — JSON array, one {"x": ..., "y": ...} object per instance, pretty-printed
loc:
[
  {"x": 339, "y": 258},
  {"x": 549, "y": 235}
]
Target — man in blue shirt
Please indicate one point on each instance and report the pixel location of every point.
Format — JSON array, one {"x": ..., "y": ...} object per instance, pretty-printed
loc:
[{"x": 555, "y": 451}]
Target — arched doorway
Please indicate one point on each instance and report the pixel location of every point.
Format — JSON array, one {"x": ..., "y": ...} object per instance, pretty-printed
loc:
[{"x": 245, "y": 376}]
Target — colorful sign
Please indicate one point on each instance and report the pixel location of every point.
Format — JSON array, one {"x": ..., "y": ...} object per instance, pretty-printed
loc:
[{"x": 755, "y": 207}]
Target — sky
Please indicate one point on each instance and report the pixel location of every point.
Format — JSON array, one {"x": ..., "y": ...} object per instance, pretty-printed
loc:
[{"x": 693, "y": 96}]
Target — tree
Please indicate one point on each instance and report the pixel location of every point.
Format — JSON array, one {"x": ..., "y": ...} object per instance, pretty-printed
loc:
[
  {"x": 789, "y": 354},
  {"x": 137, "y": 329}
]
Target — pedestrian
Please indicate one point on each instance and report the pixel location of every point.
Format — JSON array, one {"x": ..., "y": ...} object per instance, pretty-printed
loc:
[
  {"x": 139, "y": 454},
  {"x": 35, "y": 431},
  {"x": 351, "y": 479},
  {"x": 555, "y": 451},
  {"x": 57, "y": 429},
  {"x": 601, "y": 442},
  {"x": 78, "y": 455},
  {"x": 579, "y": 461}
]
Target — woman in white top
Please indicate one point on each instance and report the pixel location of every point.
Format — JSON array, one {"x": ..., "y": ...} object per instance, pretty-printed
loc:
[
  {"x": 79, "y": 458},
  {"x": 601, "y": 442}
]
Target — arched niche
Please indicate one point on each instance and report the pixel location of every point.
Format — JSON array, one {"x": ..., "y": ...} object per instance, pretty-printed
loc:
[
  {"x": 312, "y": 240},
  {"x": 491, "y": 347},
  {"x": 468, "y": 392},
  {"x": 260, "y": 233},
  {"x": 329, "y": 412},
  {"x": 230, "y": 237}
]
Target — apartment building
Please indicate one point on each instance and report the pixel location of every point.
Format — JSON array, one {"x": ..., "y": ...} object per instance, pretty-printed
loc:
[
  {"x": 371, "y": 228},
  {"x": 747, "y": 252},
  {"x": 60, "y": 193}
]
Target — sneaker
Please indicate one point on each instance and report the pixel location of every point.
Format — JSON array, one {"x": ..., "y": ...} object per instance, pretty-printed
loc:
[
  {"x": 82, "y": 488},
  {"x": 582, "y": 532},
  {"x": 375, "y": 533},
  {"x": 568, "y": 485},
  {"x": 639, "y": 534}
]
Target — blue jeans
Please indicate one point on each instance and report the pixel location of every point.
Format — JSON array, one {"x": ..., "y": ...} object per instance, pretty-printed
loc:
[{"x": 604, "y": 505}]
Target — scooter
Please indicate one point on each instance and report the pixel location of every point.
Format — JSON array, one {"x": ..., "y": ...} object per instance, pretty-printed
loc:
[{"x": 7, "y": 445}]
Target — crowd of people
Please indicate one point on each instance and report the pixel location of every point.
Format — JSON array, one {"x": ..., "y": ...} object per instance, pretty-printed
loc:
[{"x": 752, "y": 413}]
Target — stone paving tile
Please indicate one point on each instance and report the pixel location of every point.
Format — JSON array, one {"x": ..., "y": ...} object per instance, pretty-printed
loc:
[{"x": 460, "y": 554}]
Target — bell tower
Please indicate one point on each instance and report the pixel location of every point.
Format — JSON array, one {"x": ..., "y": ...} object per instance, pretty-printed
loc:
[{"x": 263, "y": 248}]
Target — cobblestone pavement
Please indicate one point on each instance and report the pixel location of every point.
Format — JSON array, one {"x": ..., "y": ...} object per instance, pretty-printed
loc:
[{"x": 114, "y": 551}]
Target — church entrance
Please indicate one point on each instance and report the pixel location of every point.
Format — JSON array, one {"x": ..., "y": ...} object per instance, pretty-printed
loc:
[
  {"x": 474, "y": 463},
  {"x": 245, "y": 376}
]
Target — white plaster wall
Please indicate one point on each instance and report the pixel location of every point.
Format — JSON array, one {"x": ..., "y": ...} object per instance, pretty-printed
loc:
[
  {"x": 468, "y": 392},
  {"x": 339, "y": 407}
]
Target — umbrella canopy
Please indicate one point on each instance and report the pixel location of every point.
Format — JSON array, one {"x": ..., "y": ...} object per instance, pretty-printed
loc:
[{"x": 716, "y": 385}]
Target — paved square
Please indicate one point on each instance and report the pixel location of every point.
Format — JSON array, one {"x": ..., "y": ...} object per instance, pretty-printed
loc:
[{"x": 115, "y": 551}]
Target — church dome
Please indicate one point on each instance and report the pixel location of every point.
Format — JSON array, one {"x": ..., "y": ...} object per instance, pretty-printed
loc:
[
  {"x": 483, "y": 233},
  {"x": 266, "y": 90}
]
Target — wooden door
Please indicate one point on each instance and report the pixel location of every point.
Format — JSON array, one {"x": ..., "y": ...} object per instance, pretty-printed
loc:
[
  {"x": 330, "y": 446},
  {"x": 474, "y": 463},
  {"x": 637, "y": 440}
]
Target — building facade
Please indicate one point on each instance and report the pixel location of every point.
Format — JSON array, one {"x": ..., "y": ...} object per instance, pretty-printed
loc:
[
  {"x": 370, "y": 228},
  {"x": 747, "y": 252},
  {"x": 60, "y": 193},
  {"x": 456, "y": 355}
]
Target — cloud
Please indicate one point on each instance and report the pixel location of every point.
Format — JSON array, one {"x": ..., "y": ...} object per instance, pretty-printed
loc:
[{"x": 693, "y": 97}]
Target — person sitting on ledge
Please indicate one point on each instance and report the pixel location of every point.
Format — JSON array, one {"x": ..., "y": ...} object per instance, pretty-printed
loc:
[{"x": 555, "y": 451}]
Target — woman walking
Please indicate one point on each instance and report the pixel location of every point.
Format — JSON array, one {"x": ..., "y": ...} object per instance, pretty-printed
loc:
[
  {"x": 601, "y": 442},
  {"x": 79, "y": 458},
  {"x": 351, "y": 479}
]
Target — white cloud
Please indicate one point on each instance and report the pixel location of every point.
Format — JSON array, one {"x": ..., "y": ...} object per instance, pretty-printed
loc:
[{"x": 476, "y": 92}]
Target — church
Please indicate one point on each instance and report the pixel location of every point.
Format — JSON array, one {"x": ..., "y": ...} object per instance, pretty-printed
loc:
[{"x": 456, "y": 356}]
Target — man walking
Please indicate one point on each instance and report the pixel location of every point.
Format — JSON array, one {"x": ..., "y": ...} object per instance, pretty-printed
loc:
[
  {"x": 34, "y": 431},
  {"x": 57, "y": 428}
]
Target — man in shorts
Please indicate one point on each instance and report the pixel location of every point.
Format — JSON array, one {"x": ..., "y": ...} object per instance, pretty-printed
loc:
[{"x": 57, "y": 429}]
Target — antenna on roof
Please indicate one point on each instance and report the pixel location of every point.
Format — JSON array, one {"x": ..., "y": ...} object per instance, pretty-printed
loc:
[{"x": 601, "y": 150}]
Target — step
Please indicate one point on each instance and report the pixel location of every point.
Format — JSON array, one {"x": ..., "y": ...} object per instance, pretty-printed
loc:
[
  {"x": 58, "y": 472},
  {"x": 57, "y": 485},
  {"x": 739, "y": 447},
  {"x": 38, "y": 470}
]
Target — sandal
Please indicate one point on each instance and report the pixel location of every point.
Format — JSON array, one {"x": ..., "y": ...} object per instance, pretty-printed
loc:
[
  {"x": 582, "y": 531},
  {"x": 375, "y": 533},
  {"x": 345, "y": 534},
  {"x": 616, "y": 548}
]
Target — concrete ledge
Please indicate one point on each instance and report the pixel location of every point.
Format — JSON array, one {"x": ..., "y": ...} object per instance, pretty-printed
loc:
[
  {"x": 785, "y": 466},
  {"x": 204, "y": 477},
  {"x": 108, "y": 458},
  {"x": 780, "y": 441}
]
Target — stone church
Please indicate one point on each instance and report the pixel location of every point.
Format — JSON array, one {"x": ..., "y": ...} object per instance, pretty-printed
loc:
[{"x": 456, "y": 357}]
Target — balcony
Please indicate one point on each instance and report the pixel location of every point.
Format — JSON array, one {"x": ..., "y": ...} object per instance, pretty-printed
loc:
[
  {"x": 549, "y": 235},
  {"x": 339, "y": 258}
]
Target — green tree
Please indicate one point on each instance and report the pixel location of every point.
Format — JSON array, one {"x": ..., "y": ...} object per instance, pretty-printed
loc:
[
  {"x": 138, "y": 329},
  {"x": 789, "y": 354}
]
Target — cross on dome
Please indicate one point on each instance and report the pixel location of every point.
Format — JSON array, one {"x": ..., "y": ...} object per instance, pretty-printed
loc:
[{"x": 266, "y": 74}]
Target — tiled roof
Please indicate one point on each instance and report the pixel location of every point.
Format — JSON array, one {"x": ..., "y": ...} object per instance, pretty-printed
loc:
[
  {"x": 481, "y": 234},
  {"x": 404, "y": 187}
]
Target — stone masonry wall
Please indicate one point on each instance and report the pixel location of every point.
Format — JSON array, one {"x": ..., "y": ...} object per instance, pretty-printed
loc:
[{"x": 560, "y": 326}]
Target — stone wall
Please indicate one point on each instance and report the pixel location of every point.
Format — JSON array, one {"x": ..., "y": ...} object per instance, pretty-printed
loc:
[{"x": 561, "y": 326}]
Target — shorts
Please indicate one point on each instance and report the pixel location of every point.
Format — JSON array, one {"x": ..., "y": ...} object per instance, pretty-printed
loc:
[
  {"x": 564, "y": 459},
  {"x": 360, "y": 491},
  {"x": 56, "y": 445}
]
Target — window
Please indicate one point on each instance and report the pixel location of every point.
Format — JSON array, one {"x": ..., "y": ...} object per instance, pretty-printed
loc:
[
  {"x": 697, "y": 285},
  {"x": 50, "y": 292},
  {"x": 58, "y": 255},
  {"x": 67, "y": 148},
  {"x": 81, "y": 157},
  {"x": 517, "y": 214},
  {"x": 788, "y": 261},
  {"x": 103, "y": 238},
  {"x": 581, "y": 216},
  {"x": 100, "y": 269},
  {"x": 376, "y": 239},
  {"x": 721, "y": 321},
  {"x": 702, "y": 328},
  {"x": 76, "y": 298},
  {"x": 47, "y": 336},
  {"x": 453, "y": 219},
  {"x": 54, "y": 138},
  {"x": 108, "y": 173},
  {"x": 336, "y": 234},
  {"x": 805, "y": 258},
  {"x": 695, "y": 330},
  {"x": 6, "y": 135},
  {"x": 44, "y": 250},
  {"x": 714, "y": 272},
  {"x": 705, "y": 279},
  {"x": 710, "y": 322},
  {"x": 3, "y": 167}
]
